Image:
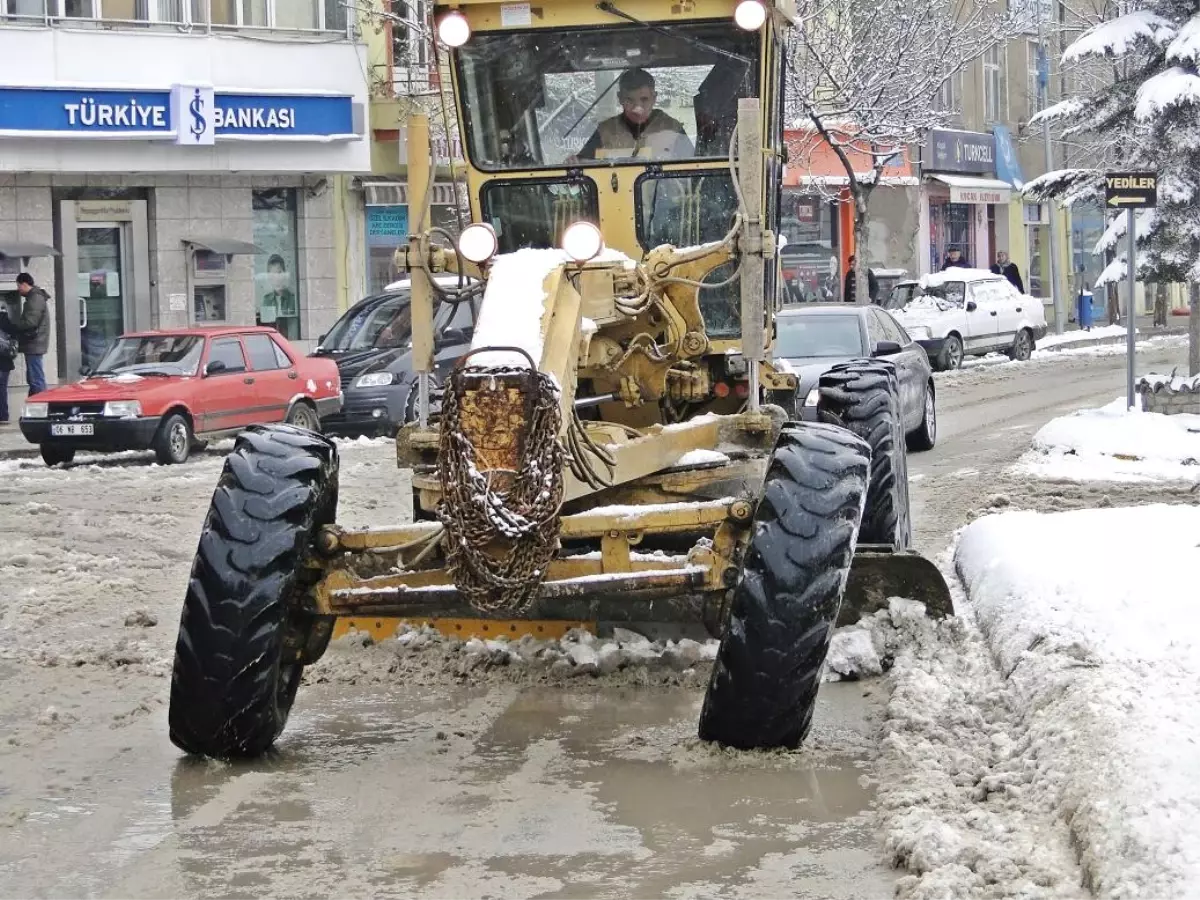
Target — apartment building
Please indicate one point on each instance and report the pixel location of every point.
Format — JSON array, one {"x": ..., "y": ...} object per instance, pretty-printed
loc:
[{"x": 166, "y": 162}]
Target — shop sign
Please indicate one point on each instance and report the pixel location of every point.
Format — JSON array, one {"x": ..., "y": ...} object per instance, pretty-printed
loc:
[
  {"x": 188, "y": 114},
  {"x": 978, "y": 195},
  {"x": 103, "y": 210},
  {"x": 387, "y": 226},
  {"x": 961, "y": 151}
]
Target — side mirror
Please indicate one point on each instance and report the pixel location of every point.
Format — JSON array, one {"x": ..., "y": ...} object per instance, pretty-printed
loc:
[
  {"x": 887, "y": 348},
  {"x": 452, "y": 336},
  {"x": 321, "y": 339},
  {"x": 972, "y": 306},
  {"x": 215, "y": 367}
]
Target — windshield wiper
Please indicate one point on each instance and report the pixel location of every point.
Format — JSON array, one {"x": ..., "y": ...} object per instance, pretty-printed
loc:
[{"x": 669, "y": 31}]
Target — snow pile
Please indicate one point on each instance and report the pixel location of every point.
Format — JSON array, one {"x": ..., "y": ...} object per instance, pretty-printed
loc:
[
  {"x": 955, "y": 273},
  {"x": 427, "y": 656},
  {"x": 1116, "y": 444},
  {"x": 702, "y": 458},
  {"x": 1171, "y": 382},
  {"x": 869, "y": 647},
  {"x": 1074, "y": 337},
  {"x": 1104, "y": 661},
  {"x": 514, "y": 303}
]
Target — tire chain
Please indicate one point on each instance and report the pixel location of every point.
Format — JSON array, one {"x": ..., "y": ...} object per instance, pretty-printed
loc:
[{"x": 526, "y": 516}]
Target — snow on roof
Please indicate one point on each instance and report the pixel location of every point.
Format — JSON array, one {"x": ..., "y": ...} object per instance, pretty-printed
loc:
[
  {"x": 1117, "y": 37},
  {"x": 1186, "y": 46},
  {"x": 957, "y": 273},
  {"x": 1160, "y": 92}
]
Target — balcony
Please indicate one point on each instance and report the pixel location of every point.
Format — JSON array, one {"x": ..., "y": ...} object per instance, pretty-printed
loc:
[{"x": 295, "y": 16}]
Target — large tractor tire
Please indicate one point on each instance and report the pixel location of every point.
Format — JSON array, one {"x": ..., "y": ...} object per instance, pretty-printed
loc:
[
  {"x": 244, "y": 637},
  {"x": 785, "y": 604},
  {"x": 863, "y": 397}
]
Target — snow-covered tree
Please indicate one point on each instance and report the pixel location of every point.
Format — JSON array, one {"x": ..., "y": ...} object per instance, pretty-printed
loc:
[
  {"x": 866, "y": 78},
  {"x": 1146, "y": 116}
]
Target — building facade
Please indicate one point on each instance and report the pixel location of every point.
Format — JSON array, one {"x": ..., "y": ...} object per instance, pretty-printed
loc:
[{"x": 166, "y": 163}]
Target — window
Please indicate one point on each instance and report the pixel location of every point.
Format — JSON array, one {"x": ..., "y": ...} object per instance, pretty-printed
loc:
[
  {"x": 33, "y": 8},
  {"x": 828, "y": 335},
  {"x": 536, "y": 213},
  {"x": 306, "y": 15},
  {"x": 810, "y": 258},
  {"x": 262, "y": 352},
  {"x": 875, "y": 330},
  {"x": 944, "y": 100},
  {"x": 995, "y": 99},
  {"x": 950, "y": 226},
  {"x": 1033, "y": 51},
  {"x": 891, "y": 328},
  {"x": 229, "y": 352},
  {"x": 684, "y": 210},
  {"x": 275, "y": 282},
  {"x": 411, "y": 46},
  {"x": 540, "y": 98},
  {"x": 281, "y": 356}
]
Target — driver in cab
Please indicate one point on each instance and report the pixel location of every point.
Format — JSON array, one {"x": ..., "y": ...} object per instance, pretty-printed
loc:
[{"x": 639, "y": 129}]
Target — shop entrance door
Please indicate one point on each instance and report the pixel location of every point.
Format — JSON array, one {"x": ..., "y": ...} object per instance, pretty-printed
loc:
[{"x": 102, "y": 286}]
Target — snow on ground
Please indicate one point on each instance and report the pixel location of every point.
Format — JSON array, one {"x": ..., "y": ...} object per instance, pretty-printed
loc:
[
  {"x": 999, "y": 361},
  {"x": 1074, "y": 337},
  {"x": 1103, "y": 661},
  {"x": 1115, "y": 444}
]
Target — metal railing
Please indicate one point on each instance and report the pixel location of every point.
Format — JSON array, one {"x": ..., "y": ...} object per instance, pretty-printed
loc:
[{"x": 301, "y": 17}]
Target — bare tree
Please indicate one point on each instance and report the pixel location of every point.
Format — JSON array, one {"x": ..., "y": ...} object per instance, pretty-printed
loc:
[{"x": 866, "y": 78}]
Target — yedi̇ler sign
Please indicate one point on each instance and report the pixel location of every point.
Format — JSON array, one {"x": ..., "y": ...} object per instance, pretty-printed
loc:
[{"x": 188, "y": 114}]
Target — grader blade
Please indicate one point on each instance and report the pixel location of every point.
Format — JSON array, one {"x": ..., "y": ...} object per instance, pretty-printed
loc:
[{"x": 879, "y": 573}]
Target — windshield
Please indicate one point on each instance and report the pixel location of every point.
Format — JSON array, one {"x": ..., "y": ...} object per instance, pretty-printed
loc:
[
  {"x": 387, "y": 325},
  {"x": 553, "y": 98},
  {"x": 823, "y": 335},
  {"x": 951, "y": 291},
  {"x": 164, "y": 354}
]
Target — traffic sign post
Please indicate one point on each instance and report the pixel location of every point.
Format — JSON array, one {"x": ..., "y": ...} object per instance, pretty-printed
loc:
[{"x": 1131, "y": 191}]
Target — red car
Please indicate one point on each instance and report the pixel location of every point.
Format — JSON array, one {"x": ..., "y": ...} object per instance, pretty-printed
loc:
[{"x": 167, "y": 391}]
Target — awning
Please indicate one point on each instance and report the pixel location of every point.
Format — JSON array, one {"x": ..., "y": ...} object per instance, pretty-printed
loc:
[
  {"x": 25, "y": 250},
  {"x": 965, "y": 189},
  {"x": 223, "y": 245}
]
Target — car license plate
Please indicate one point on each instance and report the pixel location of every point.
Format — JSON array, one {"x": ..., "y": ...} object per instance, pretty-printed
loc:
[{"x": 72, "y": 430}]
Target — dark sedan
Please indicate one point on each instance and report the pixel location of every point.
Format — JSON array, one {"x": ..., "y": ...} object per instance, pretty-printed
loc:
[
  {"x": 813, "y": 338},
  {"x": 372, "y": 346}
]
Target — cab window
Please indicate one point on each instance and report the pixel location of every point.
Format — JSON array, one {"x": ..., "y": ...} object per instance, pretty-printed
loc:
[
  {"x": 536, "y": 213},
  {"x": 595, "y": 96}
]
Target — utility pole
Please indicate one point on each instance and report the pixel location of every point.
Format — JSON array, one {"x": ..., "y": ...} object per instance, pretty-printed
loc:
[{"x": 1060, "y": 311}]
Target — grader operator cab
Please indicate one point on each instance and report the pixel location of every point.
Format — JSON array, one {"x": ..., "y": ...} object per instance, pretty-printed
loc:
[{"x": 616, "y": 448}]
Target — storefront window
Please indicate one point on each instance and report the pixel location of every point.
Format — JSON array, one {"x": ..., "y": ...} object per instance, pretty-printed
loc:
[
  {"x": 275, "y": 282},
  {"x": 387, "y": 229},
  {"x": 950, "y": 226},
  {"x": 810, "y": 258},
  {"x": 1087, "y": 226},
  {"x": 1037, "y": 241}
]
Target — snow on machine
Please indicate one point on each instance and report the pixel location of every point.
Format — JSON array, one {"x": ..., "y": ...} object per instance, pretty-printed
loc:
[{"x": 617, "y": 448}]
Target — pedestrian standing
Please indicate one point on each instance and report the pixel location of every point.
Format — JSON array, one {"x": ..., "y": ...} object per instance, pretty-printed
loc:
[
  {"x": 954, "y": 258},
  {"x": 1006, "y": 267},
  {"x": 8, "y": 352},
  {"x": 33, "y": 331},
  {"x": 850, "y": 289}
]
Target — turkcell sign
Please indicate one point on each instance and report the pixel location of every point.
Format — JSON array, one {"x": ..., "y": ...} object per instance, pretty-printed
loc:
[{"x": 189, "y": 114}]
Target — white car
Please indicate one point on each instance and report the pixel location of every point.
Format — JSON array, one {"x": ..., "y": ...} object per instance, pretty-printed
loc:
[{"x": 969, "y": 311}]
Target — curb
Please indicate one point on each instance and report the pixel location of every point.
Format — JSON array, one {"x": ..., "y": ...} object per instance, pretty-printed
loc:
[{"x": 1105, "y": 341}]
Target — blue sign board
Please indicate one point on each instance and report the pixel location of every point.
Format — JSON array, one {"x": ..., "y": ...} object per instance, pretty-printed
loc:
[
  {"x": 1008, "y": 165},
  {"x": 387, "y": 226},
  {"x": 58, "y": 112}
]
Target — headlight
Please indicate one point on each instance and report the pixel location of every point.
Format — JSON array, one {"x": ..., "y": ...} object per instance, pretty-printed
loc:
[
  {"x": 813, "y": 396},
  {"x": 36, "y": 410},
  {"x": 582, "y": 241},
  {"x": 453, "y": 29},
  {"x": 918, "y": 332},
  {"x": 478, "y": 243},
  {"x": 375, "y": 379},
  {"x": 750, "y": 15},
  {"x": 123, "y": 409}
]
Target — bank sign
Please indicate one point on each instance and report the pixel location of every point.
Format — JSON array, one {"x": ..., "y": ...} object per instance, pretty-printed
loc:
[
  {"x": 961, "y": 151},
  {"x": 188, "y": 114}
]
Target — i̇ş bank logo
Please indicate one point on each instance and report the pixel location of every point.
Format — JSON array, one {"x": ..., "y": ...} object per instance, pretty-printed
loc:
[{"x": 191, "y": 115}]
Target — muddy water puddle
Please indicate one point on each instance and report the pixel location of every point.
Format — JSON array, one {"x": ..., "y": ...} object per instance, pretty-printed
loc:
[{"x": 489, "y": 792}]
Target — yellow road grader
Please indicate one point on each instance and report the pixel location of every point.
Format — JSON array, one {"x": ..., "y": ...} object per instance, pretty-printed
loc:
[{"x": 617, "y": 448}]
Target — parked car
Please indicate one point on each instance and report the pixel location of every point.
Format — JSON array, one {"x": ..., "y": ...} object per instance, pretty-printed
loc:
[
  {"x": 812, "y": 338},
  {"x": 170, "y": 390},
  {"x": 964, "y": 312},
  {"x": 372, "y": 346}
]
